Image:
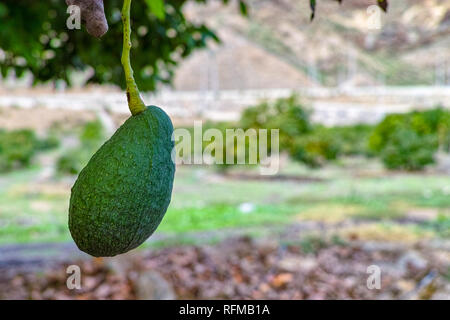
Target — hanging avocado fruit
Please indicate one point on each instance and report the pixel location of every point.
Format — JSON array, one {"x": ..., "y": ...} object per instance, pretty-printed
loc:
[{"x": 121, "y": 196}]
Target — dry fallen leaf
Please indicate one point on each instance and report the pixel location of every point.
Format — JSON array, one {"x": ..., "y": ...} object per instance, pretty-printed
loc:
[{"x": 281, "y": 279}]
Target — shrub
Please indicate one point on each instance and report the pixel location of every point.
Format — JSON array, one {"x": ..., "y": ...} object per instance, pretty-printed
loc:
[
  {"x": 48, "y": 143},
  {"x": 443, "y": 132},
  {"x": 315, "y": 149},
  {"x": 408, "y": 150},
  {"x": 402, "y": 141},
  {"x": 352, "y": 140},
  {"x": 18, "y": 147},
  {"x": 295, "y": 129},
  {"x": 74, "y": 160},
  {"x": 313, "y": 145},
  {"x": 91, "y": 137},
  {"x": 409, "y": 141},
  {"x": 286, "y": 114},
  {"x": 92, "y": 133},
  {"x": 384, "y": 130}
]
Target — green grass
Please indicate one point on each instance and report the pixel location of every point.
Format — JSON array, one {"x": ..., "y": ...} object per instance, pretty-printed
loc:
[
  {"x": 205, "y": 201},
  {"x": 441, "y": 225},
  {"x": 224, "y": 216}
]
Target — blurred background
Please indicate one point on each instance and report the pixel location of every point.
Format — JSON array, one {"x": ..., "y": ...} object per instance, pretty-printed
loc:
[{"x": 364, "y": 119}]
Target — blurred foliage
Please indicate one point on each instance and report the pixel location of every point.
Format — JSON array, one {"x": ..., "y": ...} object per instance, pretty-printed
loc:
[
  {"x": 402, "y": 141},
  {"x": 408, "y": 150},
  {"x": 410, "y": 141},
  {"x": 91, "y": 138},
  {"x": 286, "y": 114},
  {"x": 34, "y": 37},
  {"x": 92, "y": 133},
  {"x": 324, "y": 144},
  {"x": 313, "y": 145},
  {"x": 315, "y": 149},
  {"x": 18, "y": 147},
  {"x": 352, "y": 139}
]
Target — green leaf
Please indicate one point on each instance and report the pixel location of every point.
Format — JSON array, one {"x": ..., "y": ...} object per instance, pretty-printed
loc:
[
  {"x": 243, "y": 8},
  {"x": 157, "y": 8},
  {"x": 3, "y": 10},
  {"x": 312, "y": 4}
]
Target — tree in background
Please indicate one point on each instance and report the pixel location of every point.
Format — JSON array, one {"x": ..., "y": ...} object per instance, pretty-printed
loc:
[{"x": 34, "y": 37}]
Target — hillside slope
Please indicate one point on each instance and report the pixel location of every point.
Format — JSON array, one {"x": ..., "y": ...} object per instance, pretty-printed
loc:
[{"x": 277, "y": 46}]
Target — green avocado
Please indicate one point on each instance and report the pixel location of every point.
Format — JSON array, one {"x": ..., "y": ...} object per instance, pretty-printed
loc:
[{"x": 121, "y": 196}]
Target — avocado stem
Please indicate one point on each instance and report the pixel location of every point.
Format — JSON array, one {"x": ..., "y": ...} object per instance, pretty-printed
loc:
[{"x": 135, "y": 102}]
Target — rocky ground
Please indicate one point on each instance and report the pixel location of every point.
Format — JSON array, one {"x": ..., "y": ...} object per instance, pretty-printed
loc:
[{"x": 246, "y": 268}]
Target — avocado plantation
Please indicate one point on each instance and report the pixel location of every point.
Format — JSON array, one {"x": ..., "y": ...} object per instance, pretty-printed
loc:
[
  {"x": 224, "y": 150},
  {"x": 134, "y": 166}
]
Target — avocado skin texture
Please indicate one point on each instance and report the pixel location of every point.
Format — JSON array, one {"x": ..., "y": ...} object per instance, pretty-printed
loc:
[{"x": 122, "y": 194}]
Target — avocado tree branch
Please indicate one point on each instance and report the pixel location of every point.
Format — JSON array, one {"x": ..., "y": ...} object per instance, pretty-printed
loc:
[{"x": 135, "y": 102}]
